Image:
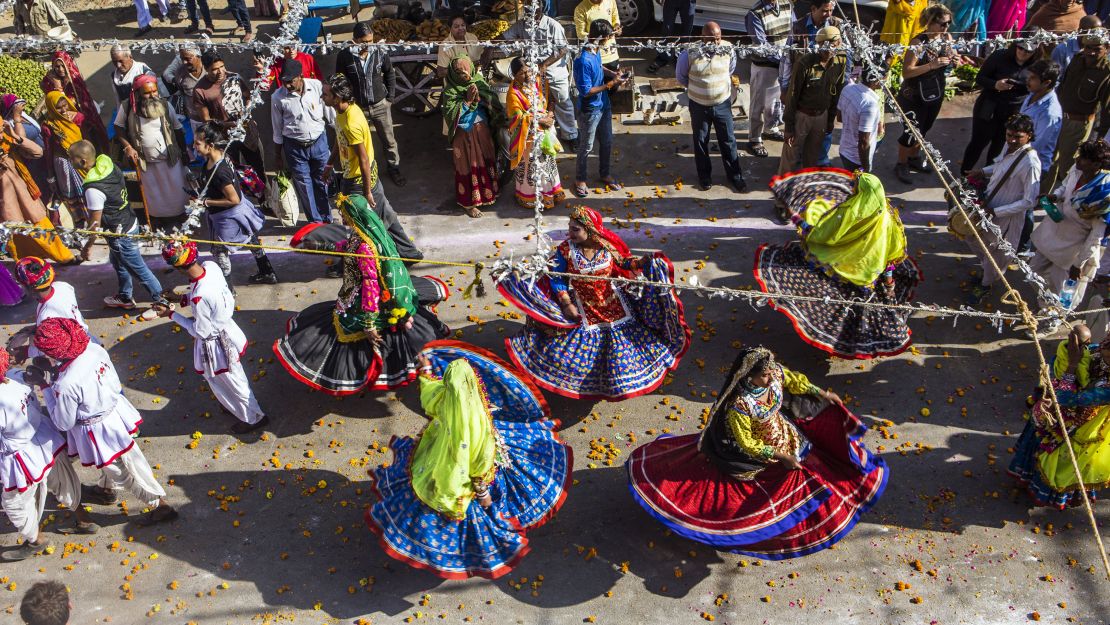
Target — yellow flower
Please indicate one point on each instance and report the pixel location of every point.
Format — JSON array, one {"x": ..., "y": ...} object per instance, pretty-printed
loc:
[{"x": 392, "y": 321}]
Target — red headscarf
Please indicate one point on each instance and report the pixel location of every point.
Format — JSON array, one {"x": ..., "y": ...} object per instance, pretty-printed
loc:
[
  {"x": 594, "y": 224},
  {"x": 5, "y": 362},
  {"x": 137, "y": 88},
  {"x": 73, "y": 85},
  {"x": 61, "y": 338}
]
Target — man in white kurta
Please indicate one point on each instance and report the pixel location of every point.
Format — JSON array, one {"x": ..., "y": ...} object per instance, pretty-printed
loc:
[
  {"x": 218, "y": 342},
  {"x": 32, "y": 463},
  {"x": 55, "y": 299},
  {"x": 1011, "y": 191},
  {"x": 86, "y": 402}
]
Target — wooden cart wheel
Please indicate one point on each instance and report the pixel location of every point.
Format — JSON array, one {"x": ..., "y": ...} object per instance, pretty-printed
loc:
[{"x": 419, "y": 88}]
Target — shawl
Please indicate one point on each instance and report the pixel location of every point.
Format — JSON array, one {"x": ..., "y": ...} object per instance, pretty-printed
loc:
[
  {"x": 1059, "y": 21},
  {"x": 453, "y": 100},
  {"x": 11, "y": 150},
  {"x": 969, "y": 17},
  {"x": 457, "y": 446},
  {"x": 75, "y": 82},
  {"x": 519, "y": 110},
  {"x": 594, "y": 224},
  {"x": 857, "y": 239},
  {"x": 173, "y": 153},
  {"x": 66, "y": 131},
  {"x": 1093, "y": 199},
  {"x": 397, "y": 290}
]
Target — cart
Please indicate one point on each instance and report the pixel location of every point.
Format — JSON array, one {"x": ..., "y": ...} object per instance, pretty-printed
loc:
[{"x": 419, "y": 87}]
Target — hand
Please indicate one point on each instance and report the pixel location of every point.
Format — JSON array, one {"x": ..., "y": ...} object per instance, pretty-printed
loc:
[
  {"x": 1003, "y": 85},
  {"x": 374, "y": 336},
  {"x": 1075, "y": 348},
  {"x": 1073, "y": 273},
  {"x": 1052, "y": 197},
  {"x": 942, "y": 61},
  {"x": 131, "y": 153},
  {"x": 369, "y": 198},
  {"x": 409, "y": 323},
  {"x": 164, "y": 310},
  {"x": 789, "y": 461},
  {"x": 485, "y": 500},
  {"x": 832, "y": 397},
  {"x": 184, "y": 303},
  {"x": 87, "y": 250},
  {"x": 279, "y": 159},
  {"x": 570, "y": 311},
  {"x": 422, "y": 360},
  {"x": 788, "y": 138},
  {"x": 976, "y": 173},
  {"x": 472, "y": 94}
]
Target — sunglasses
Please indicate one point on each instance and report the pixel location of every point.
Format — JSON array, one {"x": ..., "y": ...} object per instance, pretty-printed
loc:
[{"x": 944, "y": 24}]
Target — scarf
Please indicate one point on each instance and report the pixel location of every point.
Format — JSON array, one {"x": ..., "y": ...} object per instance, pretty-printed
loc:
[
  {"x": 173, "y": 153},
  {"x": 457, "y": 445},
  {"x": 61, "y": 338},
  {"x": 1093, "y": 199},
  {"x": 11, "y": 150},
  {"x": 519, "y": 110},
  {"x": 453, "y": 100},
  {"x": 715, "y": 441},
  {"x": 73, "y": 80},
  {"x": 65, "y": 130},
  {"x": 397, "y": 290},
  {"x": 857, "y": 239},
  {"x": 594, "y": 224}
]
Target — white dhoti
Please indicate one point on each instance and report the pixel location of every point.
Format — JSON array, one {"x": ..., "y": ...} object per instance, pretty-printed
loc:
[
  {"x": 132, "y": 472},
  {"x": 164, "y": 189},
  {"x": 24, "y": 509},
  {"x": 233, "y": 390},
  {"x": 142, "y": 11}
]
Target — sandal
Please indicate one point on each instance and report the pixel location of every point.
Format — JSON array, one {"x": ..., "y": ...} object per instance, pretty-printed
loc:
[
  {"x": 581, "y": 190},
  {"x": 613, "y": 185},
  {"x": 397, "y": 177},
  {"x": 162, "y": 514},
  {"x": 100, "y": 495},
  {"x": 87, "y": 528}
]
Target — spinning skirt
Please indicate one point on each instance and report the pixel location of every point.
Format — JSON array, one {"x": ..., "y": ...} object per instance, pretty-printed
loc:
[
  {"x": 1049, "y": 477},
  {"x": 11, "y": 292},
  {"x": 844, "y": 331},
  {"x": 614, "y": 361},
  {"x": 488, "y": 542},
  {"x": 779, "y": 514},
  {"x": 312, "y": 353}
]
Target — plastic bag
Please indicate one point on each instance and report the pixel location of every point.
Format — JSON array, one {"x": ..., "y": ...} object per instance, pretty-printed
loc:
[{"x": 282, "y": 200}]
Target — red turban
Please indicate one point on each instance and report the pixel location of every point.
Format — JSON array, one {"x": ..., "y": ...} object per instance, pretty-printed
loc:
[
  {"x": 61, "y": 338},
  {"x": 180, "y": 254},
  {"x": 137, "y": 86}
]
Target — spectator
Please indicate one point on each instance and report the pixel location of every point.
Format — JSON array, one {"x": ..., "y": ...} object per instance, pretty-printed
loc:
[
  {"x": 297, "y": 113},
  {"x": 142, "y": 15},
  {"x": 673, "y": 9},
  {"x": 125, "y": 70},
  {"x": 861, "y": 113},
  {"x": 182, "y": 78},
  {"x": 903, "y": 20},
  {"x": 768, "y": 23},
  {"x": 706, "y": 72},
  {"x": 1084, "y": 91},
  {"x": 45, "y": 603},
  {"x": 589, "y": 11},
  {"x": 289, "y": 53},
  {"x": 109, "y": 209},
  {"x": 1043, "y": 107},
  {"x": 194, "y": 19},
  {"x": 814, "y": 90},
  {"x": 458, "y": 43},
  {"x": 1066, "y": 50},
  {"x": 803, "y": 36},
  {"x": 969, "y": 18},
  {"x": 153, "y": 139},
  {"x": 1002, "y": 80},
  {"x": 62, "y": 127},
  {"x": 242, "y": 17},
  {"x": 14, "y": 109},
  {"x": 1011, "y": 193},
  {"x": 537, "y": 175},
  {"x": 370, "y": 74},
  {"x": 1058, "y": 16},
  {"x": 21, "y": 200},
  {"x": 922, "y": 91},
  {"x": 37, "y": 17},
  {"x": 65, "y": 77},
  {"x": 1006, "y": 18},
  {"x": 472, "y": 112},
  {"x": 554, "y": 49},
  {"x": 595, "y": 120},
  {"x": 1097, "y": 8},
  {"x": 222, "y": 96}
]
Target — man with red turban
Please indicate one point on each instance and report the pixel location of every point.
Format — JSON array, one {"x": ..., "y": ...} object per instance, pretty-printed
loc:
[
  {"x": 86, "y": 402},
  {"x": 153, "y": 139},
  {"x": 32, "y": 464},
  {"x": 56, "y": 299},
  {"x": 218, "y": 342}
]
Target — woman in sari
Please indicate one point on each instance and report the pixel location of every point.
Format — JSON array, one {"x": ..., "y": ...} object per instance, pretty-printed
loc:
[
  {"x": 65, "y": 77},
  {"x": 13, "y": 109},
  {"x": 852, "y": 245},
  {"x": 903, "y": 21},
  {"x": 372, "y": 333},
  {"x": 21, "y": 199},
  {"x": 472, "y": 113},
  {"x": 521, "y": 111},
  {"x": 62, "y": 128},
  {"x": 780, "y": 470},
  {"x": 487, "y": 467},
  {"x": 1081, "y": 378},
  {"x": 1006, "y": 17},
  {"x": 1068, "y": 242},
  {"x": 597, "y": 339},
  {"x": 969, "y": 18}
]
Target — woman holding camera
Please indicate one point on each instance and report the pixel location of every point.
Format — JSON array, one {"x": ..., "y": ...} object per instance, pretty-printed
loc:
[{"x": 1002, "y": 79}]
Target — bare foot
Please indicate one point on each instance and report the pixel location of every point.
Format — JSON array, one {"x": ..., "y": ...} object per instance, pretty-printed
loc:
[{"x": 473, "y": 212}]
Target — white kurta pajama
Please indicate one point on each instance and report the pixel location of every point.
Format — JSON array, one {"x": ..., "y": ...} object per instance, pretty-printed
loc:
[
  {"x": 219, "y": 343},
  {"x": 1018, "y": 194},
  {"x": 1071, "y": 242},
  {"x": 61, "y": 303},
  {"x": 31, "y": 459},
  {"x": 87, "y": 403}
]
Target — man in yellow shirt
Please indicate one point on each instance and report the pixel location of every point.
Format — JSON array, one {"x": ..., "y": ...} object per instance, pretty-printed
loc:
[
  {"x": 589, "y": 10},
  {"x": 355, "y": 160}
]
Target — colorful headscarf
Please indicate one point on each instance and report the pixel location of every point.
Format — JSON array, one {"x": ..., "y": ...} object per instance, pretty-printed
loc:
[
  {"x": 396, "y": 285},
  {"x": 180, "y": 254},
  {"x": 61, "y": 338},
  {"x": 34, "y": 272},
  {"x": 595, "y": 225},
  {"x": 7, "y": 103},
  {"x": 5, "y": 363},
  {"x": 80, "y": 94},
  {"x": 66, "y": 130},
  {"x": 458, "y": 443},
  {"x": 858, "y": 238},
  {"x": 1093, "y": 199},
  {"x": 453, "y": 100}
]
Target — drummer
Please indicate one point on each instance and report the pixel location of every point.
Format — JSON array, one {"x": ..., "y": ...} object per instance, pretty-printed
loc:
[{"x": 457, "y": 43}]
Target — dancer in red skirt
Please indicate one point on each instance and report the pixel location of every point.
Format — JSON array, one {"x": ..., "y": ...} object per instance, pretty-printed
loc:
[{"x": 779, "y": 472}]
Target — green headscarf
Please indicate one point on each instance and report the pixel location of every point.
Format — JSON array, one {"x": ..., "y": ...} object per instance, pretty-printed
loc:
[
  {"x": 397, "y": 291},
  {"x": 458, "y": 445},
  {"x": 453, "y": 100},
  {"x": 858, "y": 238}
]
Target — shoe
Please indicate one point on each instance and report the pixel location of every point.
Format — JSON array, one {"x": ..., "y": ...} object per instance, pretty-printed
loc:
[
  {"x": 162, "y": 514},
  {"x": 705, "y": 186},
  {"x": 264, "y": 278},
  {"x": 581, "y": 190},
  {"x": 334, "y": 272},
  {"x": 242, "y": 427},
  {"x": 397, "y": 177},
  {"x": 902, "y": 172},
  {"x": 208, "y": 29},
  {"x": 757, "y": 149},
  {"x": 919, "y": 165},
  {"x": 977, "y": 295},
  {"x": 144, "y": 30},
  {"x": 99, "y": 495},
  {"x": 571, "y": 145},
  {"x": 192, "y": 29},
  {"x": 654, "y": 68},
  {"x": 26, "y": 550},
  {"x": 84, "y": 528},
  {"x": 739, "y": 185},
  {"x": 116, "y": 301},
  {"x": 774, "y": 135}
]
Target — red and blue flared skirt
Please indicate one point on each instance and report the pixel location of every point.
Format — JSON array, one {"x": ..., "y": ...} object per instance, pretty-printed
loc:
[
  {"x": 780, "y": 513},
  {"x": 488, "y": 542}
]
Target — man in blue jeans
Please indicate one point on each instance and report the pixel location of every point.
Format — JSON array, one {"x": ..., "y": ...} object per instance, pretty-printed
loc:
[
  {"x": 595, "y": 118},
  {"x": 106, "y": 199},
  {"x": 297, "y": 111},
  {"x": 706, "y": 72}
]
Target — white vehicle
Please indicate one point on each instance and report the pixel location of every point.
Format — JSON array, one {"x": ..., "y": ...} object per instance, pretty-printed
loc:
[{"x": 637, "y": 15}]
